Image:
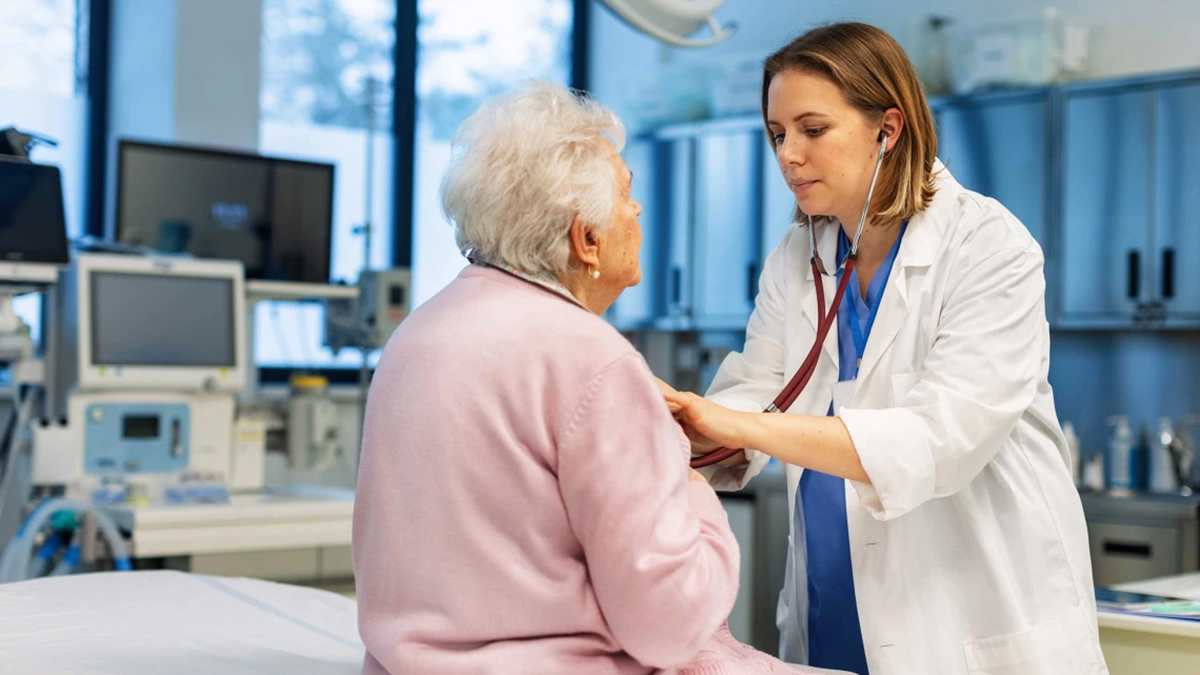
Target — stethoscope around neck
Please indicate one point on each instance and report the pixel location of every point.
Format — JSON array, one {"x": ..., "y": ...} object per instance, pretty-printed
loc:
[{"x": 825, "y": 318}]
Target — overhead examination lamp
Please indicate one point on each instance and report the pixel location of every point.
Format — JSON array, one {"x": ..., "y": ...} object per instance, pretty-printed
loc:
[{"x": 673, "y": 21}]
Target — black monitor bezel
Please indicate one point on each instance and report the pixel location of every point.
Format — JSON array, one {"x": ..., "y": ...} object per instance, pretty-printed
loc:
[
  {"x": 184, "y": 149},
  {"x": 61, "y": 255}
]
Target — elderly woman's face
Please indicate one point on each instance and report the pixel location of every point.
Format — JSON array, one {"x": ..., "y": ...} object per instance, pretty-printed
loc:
[{"x": 622, "y": 241}]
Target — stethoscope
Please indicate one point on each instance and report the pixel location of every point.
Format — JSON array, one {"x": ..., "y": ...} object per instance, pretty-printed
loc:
[{"x": 825, "y": 320}]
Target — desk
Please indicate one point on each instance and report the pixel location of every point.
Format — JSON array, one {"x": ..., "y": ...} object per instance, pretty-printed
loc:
[
  {"x": 272, "y": 520},
  {"x": 298, "y": 535},
  {"x": 1139, "y": 645}
]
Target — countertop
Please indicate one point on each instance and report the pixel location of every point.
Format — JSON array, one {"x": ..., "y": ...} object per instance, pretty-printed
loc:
[{"x": 1180, "y": 586}]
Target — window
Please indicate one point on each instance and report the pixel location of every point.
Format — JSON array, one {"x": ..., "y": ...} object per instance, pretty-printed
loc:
[
  {"x": 469, "y": 50},
  {"x": 43, "y": 89},
  {"x": 318, "y": 57}
]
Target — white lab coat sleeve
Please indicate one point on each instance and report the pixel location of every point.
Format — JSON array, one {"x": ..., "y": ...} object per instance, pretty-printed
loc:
[
  {"x": 979, "y": 377},
  {"x": 749, "y": 380}
]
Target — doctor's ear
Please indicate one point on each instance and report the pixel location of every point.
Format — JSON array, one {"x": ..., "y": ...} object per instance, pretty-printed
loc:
[{"x": 890, "y": 127}]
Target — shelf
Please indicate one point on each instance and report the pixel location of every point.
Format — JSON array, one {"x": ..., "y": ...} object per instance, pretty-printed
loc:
[
  {"x": 20, "y": 273},
  {"x": 277, "y": 519},
  {"x": 258, "y": 290}
]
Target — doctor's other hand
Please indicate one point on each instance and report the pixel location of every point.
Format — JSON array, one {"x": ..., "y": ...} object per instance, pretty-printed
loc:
[{"x": 710, "y": 425}]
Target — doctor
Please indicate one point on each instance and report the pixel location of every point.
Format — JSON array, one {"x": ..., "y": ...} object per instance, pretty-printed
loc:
[{"x": 935, "y": 526}]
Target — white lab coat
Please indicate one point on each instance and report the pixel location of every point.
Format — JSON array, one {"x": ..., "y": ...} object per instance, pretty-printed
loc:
[{"x": 969, "y": 548}]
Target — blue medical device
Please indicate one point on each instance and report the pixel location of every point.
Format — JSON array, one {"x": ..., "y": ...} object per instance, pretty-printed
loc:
[{"x": 136, "y": 438}]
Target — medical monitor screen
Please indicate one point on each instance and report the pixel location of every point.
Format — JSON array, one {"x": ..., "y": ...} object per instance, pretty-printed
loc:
[
  {"x": 32, "y": 226},
  {"x": 273, "y": 215},
  {"x": 161, "y": 320}
]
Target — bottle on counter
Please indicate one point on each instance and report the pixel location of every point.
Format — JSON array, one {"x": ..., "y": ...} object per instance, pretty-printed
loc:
[
  {"x": 1187, "y": 468},
  {"x": 1141, "y": 459},
  {"x": 1093, "y": 472},
  {"x": 1072, "y": 450},
  {"x": 1120, "y": 455},
  {"x": 1161, "y": 462}
]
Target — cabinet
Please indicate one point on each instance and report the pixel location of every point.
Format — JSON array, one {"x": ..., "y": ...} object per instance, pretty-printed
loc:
[
  {"x": 1142, "y": 536},
  {"x": 700, "y": 186},
  {"x": 1103, "y": 175},
  {"x": 640, "y": 306},
  {"x": 1130, "y": 212},
  {"x": 778, "y": 202},
  {"x": 1177, "y": 202},
  {"x": 680, "y": 185},
  {"x": 727, "y": 247},
  {"x": 1106, "y": 204},
  {"x": 999, "y": 145}
]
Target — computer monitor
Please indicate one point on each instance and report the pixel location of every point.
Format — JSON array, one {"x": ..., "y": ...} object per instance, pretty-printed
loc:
[
  {"x": 274, "y": 215},
  {"x": 33, "y": 230},
  {"x": 157, "y": 324}
]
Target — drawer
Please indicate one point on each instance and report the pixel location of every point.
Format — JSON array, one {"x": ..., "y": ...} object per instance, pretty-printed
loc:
[{"x": 1122, "y": 552}]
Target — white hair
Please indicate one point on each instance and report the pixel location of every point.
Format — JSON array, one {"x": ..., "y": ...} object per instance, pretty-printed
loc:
[{"x": 525, "y": 165}]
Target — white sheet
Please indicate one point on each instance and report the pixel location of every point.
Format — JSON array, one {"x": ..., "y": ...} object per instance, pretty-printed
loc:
[
  {"x": 171, "y": 622},
  {"x": 153, "y": 623}
]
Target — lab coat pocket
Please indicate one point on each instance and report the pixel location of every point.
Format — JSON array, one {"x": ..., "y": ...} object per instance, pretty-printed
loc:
[
  {"x": 1059, "y": 647},
  {"x": 902, "y": 383}
]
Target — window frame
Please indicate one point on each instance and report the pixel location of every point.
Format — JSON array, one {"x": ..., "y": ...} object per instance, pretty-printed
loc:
[{"x": 98, "y": 84}]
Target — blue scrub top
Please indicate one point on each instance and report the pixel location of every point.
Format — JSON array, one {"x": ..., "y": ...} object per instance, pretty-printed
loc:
[{"x": 834, "y": 634}]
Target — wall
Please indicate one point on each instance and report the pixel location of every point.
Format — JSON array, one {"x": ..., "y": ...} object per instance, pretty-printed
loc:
[
  {"x": 184, "y": 71},
  {"x": 1142, "y": 375},
  {"x": 217, "y": 72}
]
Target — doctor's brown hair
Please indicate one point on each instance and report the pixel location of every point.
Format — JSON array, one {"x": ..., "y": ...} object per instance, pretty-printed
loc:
[{"x": 874, "y": 74}]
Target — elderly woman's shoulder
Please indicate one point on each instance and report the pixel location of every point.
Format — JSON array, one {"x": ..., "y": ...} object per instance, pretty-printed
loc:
[{"x": 591, "y": 336}]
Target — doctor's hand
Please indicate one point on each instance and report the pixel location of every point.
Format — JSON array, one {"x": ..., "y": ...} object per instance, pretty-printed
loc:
[
  {"x": 668, "y": 391},
  {"x": 710, "y": 425}
]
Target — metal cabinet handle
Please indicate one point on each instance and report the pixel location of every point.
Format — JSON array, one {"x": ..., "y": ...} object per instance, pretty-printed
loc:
[
  {"x": 1134, "y": 274},
  {"x": 1168, "y": 273},
  {"x": 676, "y": 285}
]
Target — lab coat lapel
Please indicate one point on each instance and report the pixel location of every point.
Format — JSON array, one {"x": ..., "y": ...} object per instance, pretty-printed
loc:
[{"x": 916, "y": 253}]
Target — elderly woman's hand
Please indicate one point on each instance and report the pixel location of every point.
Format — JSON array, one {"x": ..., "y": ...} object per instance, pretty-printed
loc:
[{"x": 710, "y": 425}]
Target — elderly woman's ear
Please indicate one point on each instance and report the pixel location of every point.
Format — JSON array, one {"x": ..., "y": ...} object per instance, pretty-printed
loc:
[{"x": 585, "y": 245}]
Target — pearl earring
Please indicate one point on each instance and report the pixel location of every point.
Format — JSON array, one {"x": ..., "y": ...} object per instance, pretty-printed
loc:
[{"x": 596, "y": 274}]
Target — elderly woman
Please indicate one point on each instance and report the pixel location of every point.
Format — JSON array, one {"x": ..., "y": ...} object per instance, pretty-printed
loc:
[{"x": 524, "y": 502}]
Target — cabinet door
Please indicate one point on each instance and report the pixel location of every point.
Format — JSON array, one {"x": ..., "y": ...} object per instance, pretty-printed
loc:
[
  {"x": 1176, "y": 251},
  {"x": 778, "y": 202},
  {"x": 680, "y": 185},
  {"x": 641, "y": 305},
  {"x": 1106, "y": 193},
  {"x": 998, "y": 149},
  {"x": 727, "y": 233}
]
